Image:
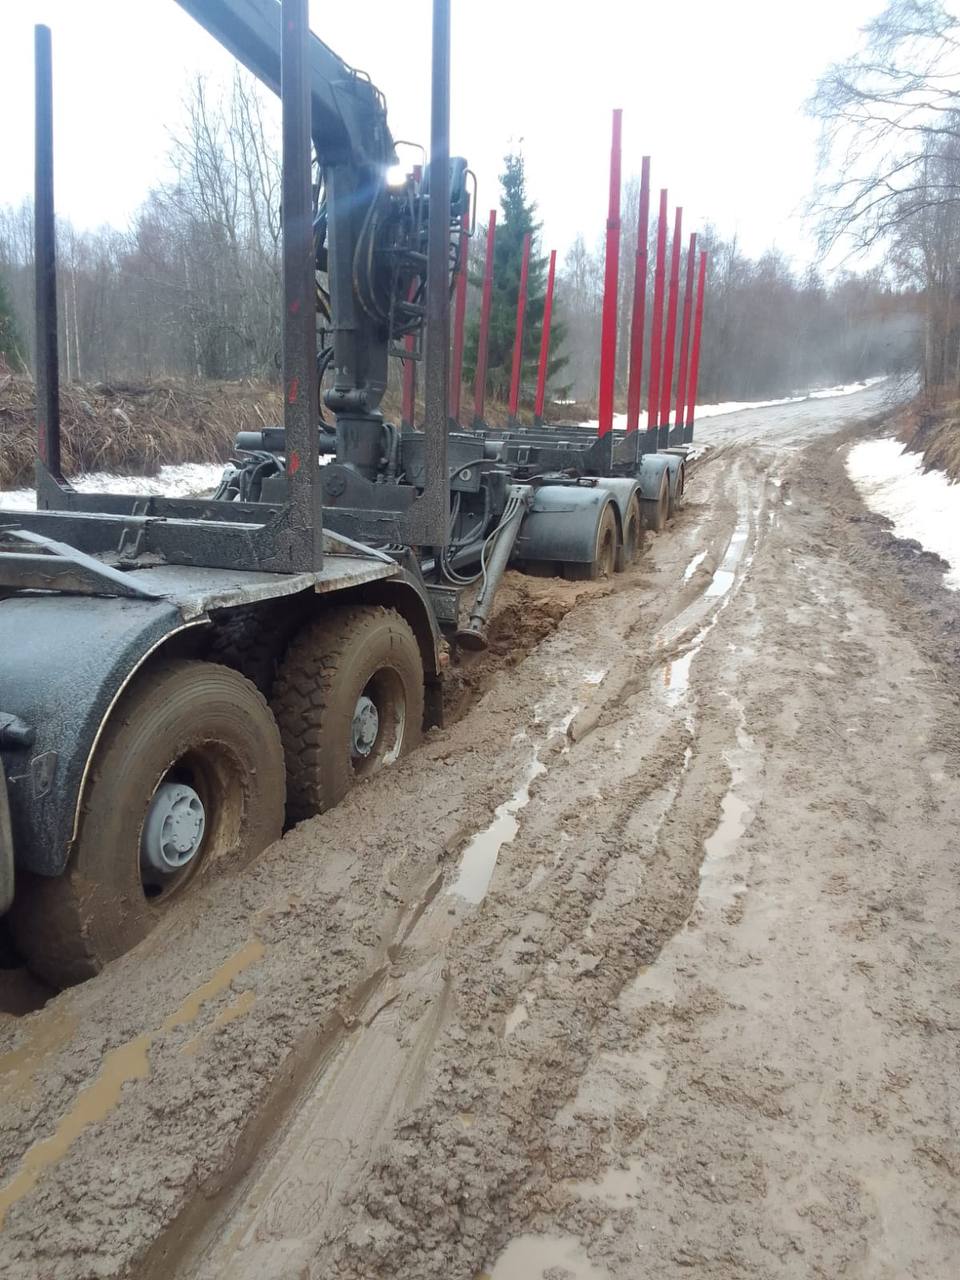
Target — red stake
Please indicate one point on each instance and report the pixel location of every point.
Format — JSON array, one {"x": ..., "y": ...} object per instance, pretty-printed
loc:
[
  {"x": 656, "y": 338},
  {"x": 545, "y": 342},
  {"x": 516, "y": 365},
  {"x": 611, "y": 281},
  {"x": 670, "y": 341},
  {"x": 697, "y": 333},
  {"x": 685, "y": 331},
  {"x": 459, "y": 317},
  {"x": 480, "y": 378},
  {"x": 638, "y": 318}
]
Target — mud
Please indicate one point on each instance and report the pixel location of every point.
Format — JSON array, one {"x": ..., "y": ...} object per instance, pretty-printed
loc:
[{"x": 644, "y": 966}]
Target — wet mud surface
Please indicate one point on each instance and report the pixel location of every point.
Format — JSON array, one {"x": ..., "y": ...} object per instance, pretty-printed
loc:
[{"x": 644, "y": 967}]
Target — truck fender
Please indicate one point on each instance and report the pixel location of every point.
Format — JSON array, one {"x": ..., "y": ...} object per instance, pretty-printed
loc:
[
  {"x": 563, "y": 522},
  {"x": 82, "y": 653}
]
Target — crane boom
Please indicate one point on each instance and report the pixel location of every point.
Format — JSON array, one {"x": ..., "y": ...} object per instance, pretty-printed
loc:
[{"x": 349, "y": 114}]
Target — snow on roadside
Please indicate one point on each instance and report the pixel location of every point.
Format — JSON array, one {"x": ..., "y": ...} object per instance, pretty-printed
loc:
[
  {"x": 735, "y": 406},
  {"x": 177, "y": 481},
  {"x": 923, "y": 505}
]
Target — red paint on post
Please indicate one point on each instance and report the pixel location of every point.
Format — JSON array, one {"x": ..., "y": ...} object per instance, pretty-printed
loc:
[
  {"x": 685, "y": 331},
  {"x": 656, "y": 338},
  {"x": 293, "y": 463},
  {"x": 459, "y": 318},
  {"x": 516, "y": 365},
  {"x": 611, "y": 282},
  {"x": 545, "y": 340},
  {"x": 483, "y": 342},
  {"x": 638, "y": 318},
  {"x": 670, "y": 338},
  {"x": 697, "y": 334},
  {"x": 293, "y": 391}
]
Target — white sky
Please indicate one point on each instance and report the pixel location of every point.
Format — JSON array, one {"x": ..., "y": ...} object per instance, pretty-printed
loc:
[{"x": 712, "y": 89}]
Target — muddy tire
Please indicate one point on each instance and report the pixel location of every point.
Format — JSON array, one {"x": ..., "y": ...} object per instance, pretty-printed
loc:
[
  {"x": 349, "y": 700},
  {"x": 604, "y": 562},
  {"x": 632, "y": 544},
  {"x": 656, "y": 511},
  {"x": 675, "y": 500},
  {"x": 187, "y": 778}
]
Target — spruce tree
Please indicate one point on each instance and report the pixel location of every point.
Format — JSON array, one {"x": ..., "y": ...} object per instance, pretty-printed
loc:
[
  {"x": 11, "y": 349},
  {"x": 517, "y": 219}
]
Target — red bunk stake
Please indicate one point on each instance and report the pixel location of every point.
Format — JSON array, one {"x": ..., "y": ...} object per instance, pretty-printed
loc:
[
  {"x": 638, "y": 318},
  {"x": 516, "y": 366},
  {"x": 656, "y": 338},
  {"x": 695, "y": 357},
  {"x": 611, "y": 280},
  {"x": 480, "y": 379},
  {"x": 545, "y": 342},
  {"x": 459, "y": 317},
  {"x": 685, "y": 331},
  {"x": 670, "y": 339}
]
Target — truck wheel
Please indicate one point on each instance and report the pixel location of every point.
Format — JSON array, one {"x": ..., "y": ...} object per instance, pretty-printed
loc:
[
  {"x": 188, "y": 775},
  {"x": 632, "y": 536},
  {"x": 657, "y": 510},
  {"x": 675, "y": 502},
  {"x": 348, "y": 699},
  {"x": 604, "y": 560}
]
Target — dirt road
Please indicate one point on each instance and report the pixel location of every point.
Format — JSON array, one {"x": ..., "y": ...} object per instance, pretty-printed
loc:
[{"x": 645, "y": 967}]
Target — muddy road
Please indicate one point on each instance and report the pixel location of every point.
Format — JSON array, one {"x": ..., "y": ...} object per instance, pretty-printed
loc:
[{"x": 646, "y": 966}]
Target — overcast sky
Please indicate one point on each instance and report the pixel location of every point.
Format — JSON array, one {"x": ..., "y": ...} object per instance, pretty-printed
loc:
[{"x": 712, "y": 89}]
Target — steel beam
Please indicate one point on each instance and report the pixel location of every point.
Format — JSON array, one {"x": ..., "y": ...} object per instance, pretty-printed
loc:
[
  {"x": 545, "y": 342},
  {"x": 301, "y": 413},
  {"x": 670, "y": 337},
  {"x": 611, "y": 284},
  {"x": 46, "y": 364},
  {"x": 683, "y": 370},
  {"x": 638, "y": 318},
  {"x": 695, "y": 357},
  {"x": 656, "y": 337},
  {"x": 483, "y": 341},
  {"x": 459, "y": 322},
  {"x": 516, "y": 365}
]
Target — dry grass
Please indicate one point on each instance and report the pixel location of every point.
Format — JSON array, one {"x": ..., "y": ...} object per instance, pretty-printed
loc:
[
  {"x": 931, "y": 427},
  {"x": 131, "y": 428},
  {"x": 135, "y": 428}
]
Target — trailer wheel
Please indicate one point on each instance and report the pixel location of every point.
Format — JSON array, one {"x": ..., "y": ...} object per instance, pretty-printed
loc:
[
  {"x": 188, "y": 776},
  {"x": 657, "y": 510},
  {"x": 604, "y": 561},
  {"x": 675, "y": 501},
  {"x": 632, "y": 535},
  {"x": 348, "y": 699}
]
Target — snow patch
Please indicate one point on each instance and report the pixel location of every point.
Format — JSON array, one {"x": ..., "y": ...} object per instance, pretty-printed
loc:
[
  {"x": 736, "y": 406},
  {"x": 181, "y": 480},
  {"x": 923, "y": 505}
]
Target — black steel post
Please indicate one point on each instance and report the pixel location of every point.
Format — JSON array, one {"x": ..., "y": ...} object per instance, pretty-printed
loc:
[
  {"x": 437, "y": 340},
  {"x": 47, "y": 367},
  {"x": 300, "y": 399}
]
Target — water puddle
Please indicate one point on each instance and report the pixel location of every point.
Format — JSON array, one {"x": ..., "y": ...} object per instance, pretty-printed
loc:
[
  {"x": 479, "y": 859},
  {"x": 923, "y": 505},
  {"x": 694, "y": 565},
  {"x": 96, "y": 1100},
  {"x": 531, "y": 1257},
  {"x": 480, "y": 856}
]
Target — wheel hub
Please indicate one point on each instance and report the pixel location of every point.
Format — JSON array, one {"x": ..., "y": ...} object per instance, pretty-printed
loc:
[
  {"x": 173, "y": 831},
  {"x": 366, "y": 726}
]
